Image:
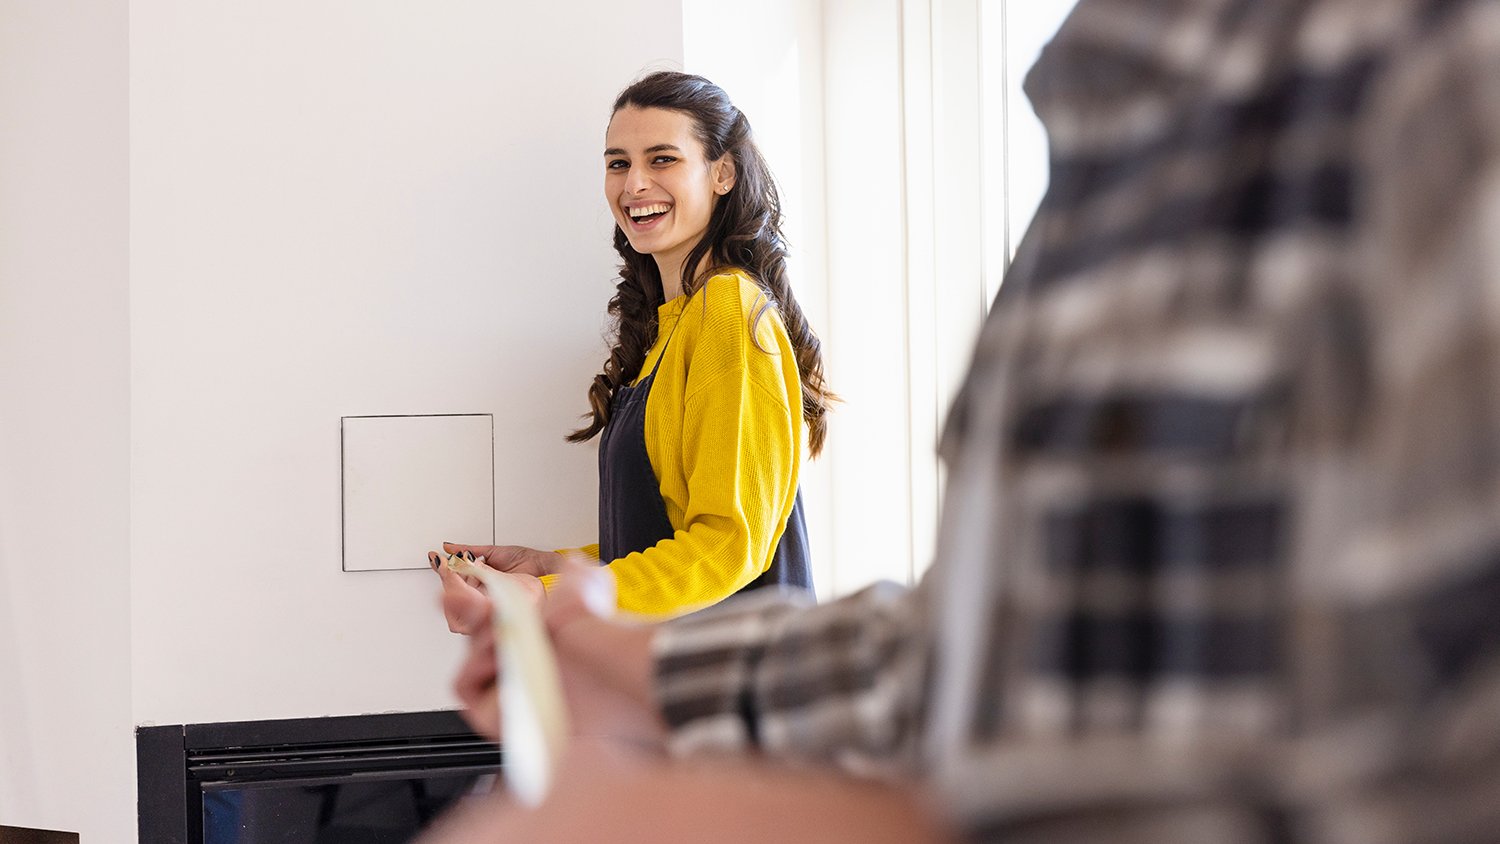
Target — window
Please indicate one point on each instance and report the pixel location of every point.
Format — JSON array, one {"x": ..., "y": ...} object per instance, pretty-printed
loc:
[{"x": 1012, "y": 34}]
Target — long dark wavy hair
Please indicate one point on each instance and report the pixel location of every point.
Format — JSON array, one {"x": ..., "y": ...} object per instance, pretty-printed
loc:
[{"x": 744, "y": 231}]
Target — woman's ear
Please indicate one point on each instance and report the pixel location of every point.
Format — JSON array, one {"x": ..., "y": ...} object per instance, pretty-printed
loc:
[{"x": 723, "y": 174}]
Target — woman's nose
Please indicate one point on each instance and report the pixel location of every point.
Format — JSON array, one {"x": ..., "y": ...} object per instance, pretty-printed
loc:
[{"x": 637, "y": 181}]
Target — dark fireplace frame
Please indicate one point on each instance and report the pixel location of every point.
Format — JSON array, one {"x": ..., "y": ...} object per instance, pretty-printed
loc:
[{"x": 173, "y": 762}]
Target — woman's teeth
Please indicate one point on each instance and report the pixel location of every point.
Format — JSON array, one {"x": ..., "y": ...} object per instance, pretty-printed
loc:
[{"x": 645, "y": 213}]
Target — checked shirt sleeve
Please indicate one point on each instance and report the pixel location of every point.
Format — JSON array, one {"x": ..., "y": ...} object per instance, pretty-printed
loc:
[{"x": 840, "y": 682}]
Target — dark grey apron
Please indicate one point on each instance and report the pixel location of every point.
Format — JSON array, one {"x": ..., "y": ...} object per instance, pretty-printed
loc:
[{"x": 632, "y": 516}]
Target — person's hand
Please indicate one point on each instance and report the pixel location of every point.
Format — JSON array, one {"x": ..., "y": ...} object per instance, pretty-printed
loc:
[
  {"x": 512, "y": 558},
  {"x": 476, "y": 683},
  {"x": 466, "y": 606},
  {"x": 605, "y": 666}
]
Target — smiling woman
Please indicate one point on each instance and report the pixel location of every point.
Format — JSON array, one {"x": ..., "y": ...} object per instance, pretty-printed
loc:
[{"x": 702, "y": 412}]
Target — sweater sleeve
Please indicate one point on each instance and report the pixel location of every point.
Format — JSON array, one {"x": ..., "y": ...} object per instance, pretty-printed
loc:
[
  {"x": 590, "y": 551},
  {"x": 740, "y": 449}
]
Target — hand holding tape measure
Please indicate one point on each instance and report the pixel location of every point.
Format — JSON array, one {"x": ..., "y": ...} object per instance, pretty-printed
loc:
[{"x": 533, "y": 714}]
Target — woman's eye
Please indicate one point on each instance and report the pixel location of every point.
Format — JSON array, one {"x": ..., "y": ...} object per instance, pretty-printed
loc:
[
  {"x": 663, "y": 159},
  {"x": 617, "y": 164}
]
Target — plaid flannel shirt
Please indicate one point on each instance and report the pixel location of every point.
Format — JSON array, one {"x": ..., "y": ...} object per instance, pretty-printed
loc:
[{"x": 1220, "y": 558}]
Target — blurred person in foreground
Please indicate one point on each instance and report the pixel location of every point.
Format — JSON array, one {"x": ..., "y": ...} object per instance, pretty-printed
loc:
[{"x": 1220, "y": 557}]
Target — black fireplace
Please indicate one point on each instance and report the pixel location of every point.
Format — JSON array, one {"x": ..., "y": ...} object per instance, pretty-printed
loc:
[{"x": 371, "y": 779}]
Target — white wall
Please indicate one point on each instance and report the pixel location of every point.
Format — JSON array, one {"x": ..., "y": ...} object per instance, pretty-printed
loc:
[
  {"x": 868, "y": 344},
  {"x": 64, "y": 404},
  {"x": 222, "y": 227},
  {"x": 345, "y": 208}
]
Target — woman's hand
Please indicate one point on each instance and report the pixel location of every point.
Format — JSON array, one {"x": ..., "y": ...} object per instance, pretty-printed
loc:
[
  {"x": 466, "y": 607},
  {"x": 512, "y": 558}
]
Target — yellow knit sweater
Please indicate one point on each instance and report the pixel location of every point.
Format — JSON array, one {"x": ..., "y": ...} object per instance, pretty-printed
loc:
[{"x": 724, "y": 436}]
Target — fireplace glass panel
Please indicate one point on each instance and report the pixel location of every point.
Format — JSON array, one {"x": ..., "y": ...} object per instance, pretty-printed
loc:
[{"x": 384, "y": 809}]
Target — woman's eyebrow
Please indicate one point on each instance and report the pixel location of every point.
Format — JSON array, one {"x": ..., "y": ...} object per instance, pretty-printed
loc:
[{"x": 657, "y": 148}]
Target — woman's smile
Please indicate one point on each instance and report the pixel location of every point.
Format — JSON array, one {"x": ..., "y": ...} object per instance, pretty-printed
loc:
[{"x": 644, "y": 217}]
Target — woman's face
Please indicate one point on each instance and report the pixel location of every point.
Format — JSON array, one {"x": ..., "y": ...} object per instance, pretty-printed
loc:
[{"x": 660, "y": 185}]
